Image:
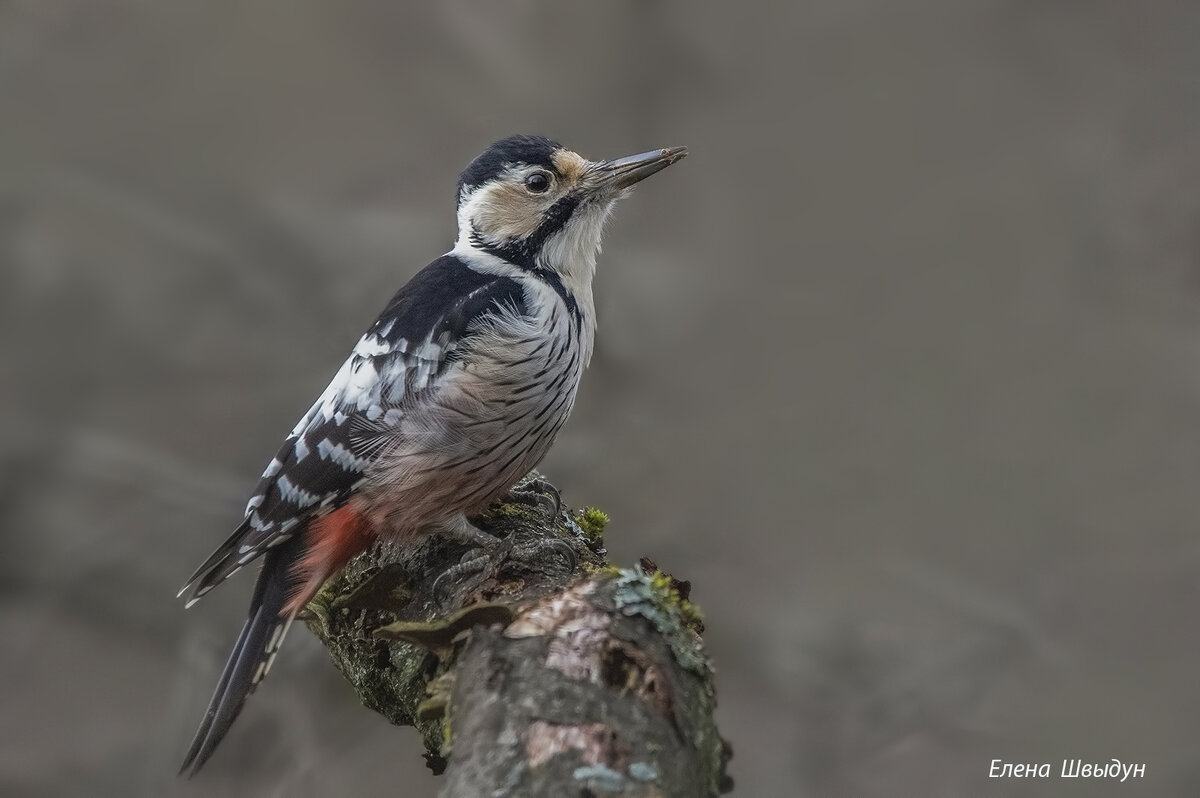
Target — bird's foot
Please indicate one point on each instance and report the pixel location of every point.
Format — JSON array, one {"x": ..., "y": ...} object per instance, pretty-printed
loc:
[
  {"x": 537, "y": 492},
  {"x": 491, "y": 556}
]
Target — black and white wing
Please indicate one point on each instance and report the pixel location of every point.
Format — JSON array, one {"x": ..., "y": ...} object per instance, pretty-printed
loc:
[{"x": 323, "y": 461}]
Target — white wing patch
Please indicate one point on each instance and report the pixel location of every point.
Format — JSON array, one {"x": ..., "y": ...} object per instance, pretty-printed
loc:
[
  {"x": 341, "y": 455},
  {"x": 365, "y": 384},
  {"x": 370, "y": 384},
  {"x": 371, "y": 345},
  {"x": 296, "y": 494}
]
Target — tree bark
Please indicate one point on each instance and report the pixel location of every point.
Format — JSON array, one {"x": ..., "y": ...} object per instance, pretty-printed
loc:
[{"x": 531, "y": 678}]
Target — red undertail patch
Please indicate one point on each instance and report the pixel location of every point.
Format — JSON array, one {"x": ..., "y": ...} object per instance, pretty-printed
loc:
[{"x": 330, "y": 543}]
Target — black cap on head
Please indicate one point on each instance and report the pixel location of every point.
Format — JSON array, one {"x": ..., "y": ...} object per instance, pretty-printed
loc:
[{"x": 532, "y": 150}]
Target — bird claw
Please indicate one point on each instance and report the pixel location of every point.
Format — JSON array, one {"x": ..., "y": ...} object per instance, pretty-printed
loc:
[
  {"x": 537, "y": 492},
  {"x": 489, "y": 561},
  {"x": 466, "y": 566},
  {"x": 533, "y": 551}
]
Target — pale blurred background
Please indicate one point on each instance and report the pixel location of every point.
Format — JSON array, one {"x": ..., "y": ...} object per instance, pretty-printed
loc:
[{"x": 901, "y": 367}]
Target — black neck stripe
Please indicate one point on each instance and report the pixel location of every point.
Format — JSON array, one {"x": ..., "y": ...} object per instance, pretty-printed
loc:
[
  {"x": 528, "y": 265},
  {"x": 523, "y": 252},
  {"x": 554, "y": 281}
]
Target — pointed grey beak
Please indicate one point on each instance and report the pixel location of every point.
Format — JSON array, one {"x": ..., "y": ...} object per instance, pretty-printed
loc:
[{"x": 624, "y": 172}]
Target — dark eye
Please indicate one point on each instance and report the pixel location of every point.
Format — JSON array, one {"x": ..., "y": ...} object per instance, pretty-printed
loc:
[{"x": 538, "y": 182}]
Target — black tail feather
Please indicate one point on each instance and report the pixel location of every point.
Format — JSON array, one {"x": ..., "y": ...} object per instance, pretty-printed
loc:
[
  {"x": 219, "y": 565},
  {"x": 251, "y": 656}
]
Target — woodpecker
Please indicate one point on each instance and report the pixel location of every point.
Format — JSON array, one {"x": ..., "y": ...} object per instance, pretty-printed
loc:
[{"x": 452, "y": 395}]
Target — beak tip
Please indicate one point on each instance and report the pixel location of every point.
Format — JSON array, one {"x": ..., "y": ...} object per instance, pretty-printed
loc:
[
  {"x": 672, "y": 155},
  {"x": 624, "y": 172}
]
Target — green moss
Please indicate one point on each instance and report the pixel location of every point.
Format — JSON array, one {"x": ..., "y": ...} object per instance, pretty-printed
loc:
[
  {"x": 592, "y": 522},
  {"x": 602, "y": 570},
  {"x": 690, "y": 612},
  {"x": 511, "y": 511}
]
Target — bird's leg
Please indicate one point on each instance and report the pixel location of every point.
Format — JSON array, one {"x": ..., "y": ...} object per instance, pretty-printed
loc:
[
  {"x": 492, "y": 554},
  {"x": 537, "y": 492},
  {"x": 459, "y": 528},
  {"x": 534, "y": 491},
  {"x": 477, "y": 560},
  {"x": 534, "y": 548}
]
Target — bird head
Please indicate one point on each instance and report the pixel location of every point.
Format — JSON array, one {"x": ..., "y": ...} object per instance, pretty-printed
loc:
[{"x": 538, "y": 205}]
